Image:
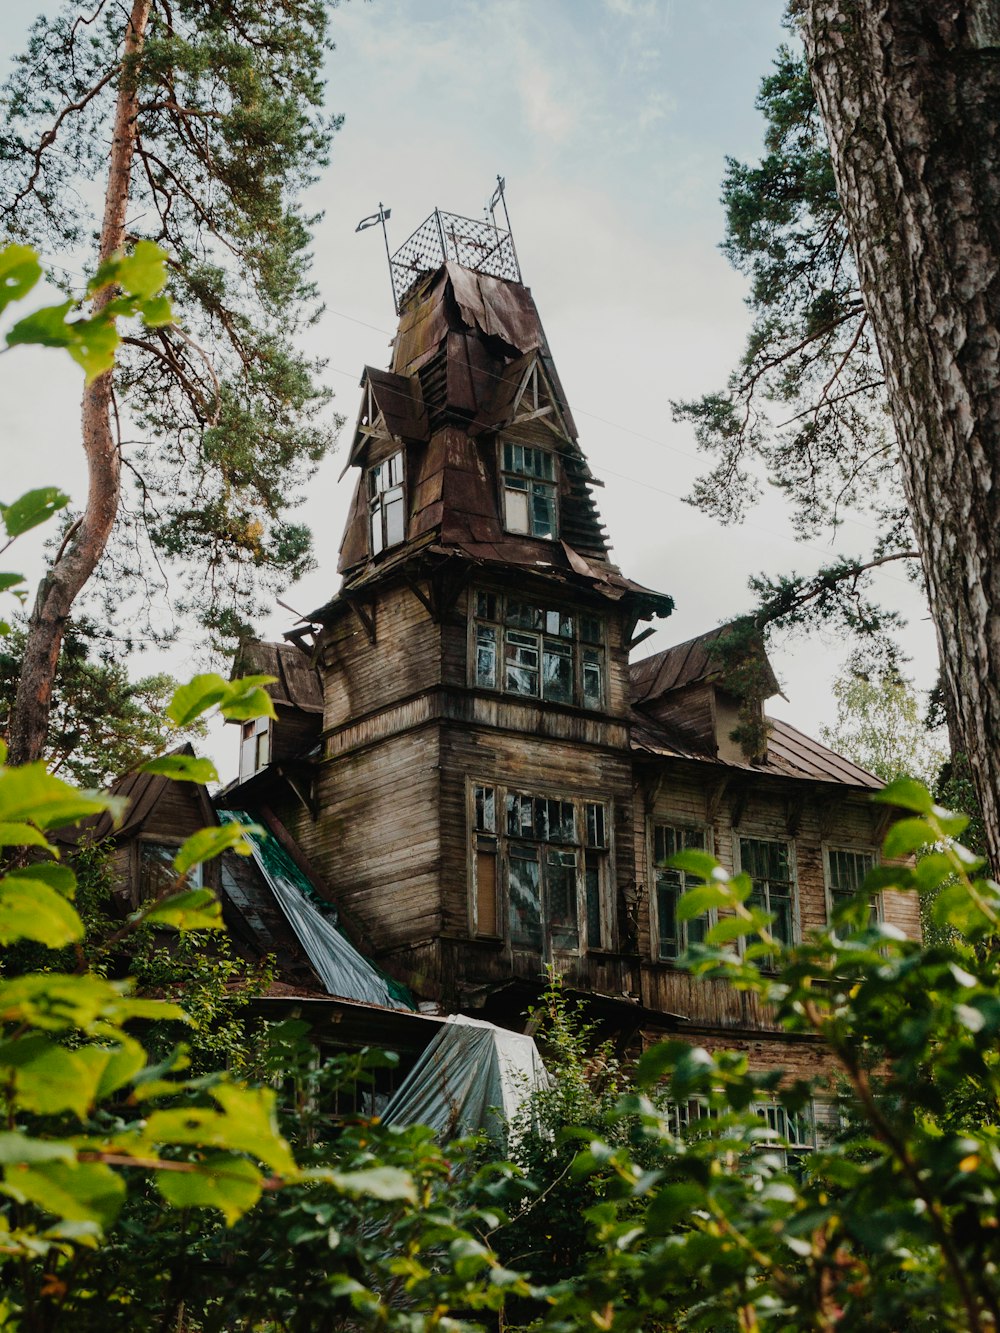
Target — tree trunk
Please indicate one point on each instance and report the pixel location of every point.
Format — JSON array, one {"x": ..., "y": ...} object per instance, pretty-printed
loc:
[
  {"x": 75, "y": 564},
  {"x": 910, "y": 94}
]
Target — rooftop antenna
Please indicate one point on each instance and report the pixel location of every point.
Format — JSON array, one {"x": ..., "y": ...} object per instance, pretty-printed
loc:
[
  {"x": 499, "y": 197},
  {"x": 372, "y": 220}
]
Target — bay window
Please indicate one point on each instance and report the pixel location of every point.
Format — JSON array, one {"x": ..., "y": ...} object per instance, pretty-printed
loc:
[{"x": 538, "y": 652}]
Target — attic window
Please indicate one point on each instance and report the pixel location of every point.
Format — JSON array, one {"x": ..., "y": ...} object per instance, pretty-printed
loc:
[
  {"x": 255, "y": 747},
  {"x": 386, "y": 505},
  {"x": 529, "y": 492}
]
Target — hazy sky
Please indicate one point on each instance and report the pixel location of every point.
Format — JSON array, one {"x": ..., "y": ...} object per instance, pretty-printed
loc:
[{"x": 610, "y": 120}]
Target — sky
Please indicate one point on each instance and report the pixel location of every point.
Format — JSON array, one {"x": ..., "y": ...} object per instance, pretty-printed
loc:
[{"x": 610, "y": 121}]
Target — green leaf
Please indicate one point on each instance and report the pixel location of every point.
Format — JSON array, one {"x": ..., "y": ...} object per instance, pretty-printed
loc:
[
  {"x": 208, "y": 843},
  {"x": 195, "y": 697},
  {"x": 8, "y": 581},
  {"x": 23, "y": 835},
  {"x": 657, "y": 1061},
  {"x": 246, "y": 704},
  {"x": 56, "y": 876},
  {"x": 46, "y": 327},
  {"x": 17, "y": 1147},
  {"x": 19, "y": 271},
  {"x": 908, "y": 794},
  {"x": 31, "y": 793},
  {"x": 908, "y": 836},
  {"x": 672, "y": 1205},
  {"x": 49, "y": 1078},
  {"x": 75, "y": 1191},
  {"x": 29, "y": 510},
  {"x": 31, "y": 910},
  {"x": 245, "y": 1123},
  {"x": 143, "y": 273},
  {"x": 122, "y": 1064},
  {"x": 194, "y": 909},
  {"x": 729, "y": 928},
  {"x": 696, "y": 862},
  {"x": 182, "y": 768},
  {"x": 378, "y": 1182},
  {"x": 158, "y": 312},
  {"x": 702, "y": 899},
  {"x": 692, "y": 1071},
  {"x": 230, "y": 1184}
]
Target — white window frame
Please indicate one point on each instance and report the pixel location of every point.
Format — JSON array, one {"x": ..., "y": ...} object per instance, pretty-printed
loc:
[
  {"x": 679, "y": 826},
  {"x": 789, "y": 843},
  {"x": 523, "y": 484},
  {"x": 194, "y": 879},
  {"x": 256, "y": 741},
  {"x": 591, "y": 847},
  {"x": 381, "y": 496}
]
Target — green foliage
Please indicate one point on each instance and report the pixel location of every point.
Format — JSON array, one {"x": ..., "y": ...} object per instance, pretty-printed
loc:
[
  {"x": 231, "y": 131},
  {"x": 879, "y": 725},
  {"x": 102, "y": 723},
  {"x": 805, "y": 407}
]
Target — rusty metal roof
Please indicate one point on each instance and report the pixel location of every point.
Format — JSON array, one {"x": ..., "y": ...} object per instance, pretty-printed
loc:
[
  {"x": 688, "y": 663},
  {"x": 790, "y": 754}
]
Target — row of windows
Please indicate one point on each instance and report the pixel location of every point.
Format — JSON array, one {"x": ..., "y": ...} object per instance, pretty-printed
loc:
[
  {"x": 770, "y": 865},
  {"x": 537, "y": 652},
  {"x": 528, "y": 492},
  {"x": 797, "y": 1133},
  {"x": 541, "y": 876}
]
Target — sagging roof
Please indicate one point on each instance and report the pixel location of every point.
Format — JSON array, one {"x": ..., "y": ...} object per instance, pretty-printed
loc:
[
  {"x": 142, "y": 792},
  {"x": 693, "y": 661},
  {"x": 298, "y": 683},
  {"x": 790, "y": 754}
]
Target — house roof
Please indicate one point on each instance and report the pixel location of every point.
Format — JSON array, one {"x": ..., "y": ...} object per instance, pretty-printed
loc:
[
  {"x": 297, "y": 683},
  {"x": 790, "y": 754},
  {"x": 688, "y": 663}
]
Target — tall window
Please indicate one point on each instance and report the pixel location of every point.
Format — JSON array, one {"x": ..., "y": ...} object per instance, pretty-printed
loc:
[
  {"x": 540, "y": 869},
  {"x": 386, "y": 503},
  {"x": 156, "y": 869},
  {"x": 529, "y": 492},
  {"x": 768, "y": 863},
  {"x": 845, "y": 876},
  {"x": 255, "y": 746},
  {"x": 538, "y": 652},
  {"x": 674, "y": 936}
]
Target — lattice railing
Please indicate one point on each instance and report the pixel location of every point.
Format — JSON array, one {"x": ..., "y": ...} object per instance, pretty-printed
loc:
[{"x": 474, "y": 243}]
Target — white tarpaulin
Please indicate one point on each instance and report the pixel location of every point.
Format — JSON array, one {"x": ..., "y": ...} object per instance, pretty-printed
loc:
[{"x": 469, "y": 1072}]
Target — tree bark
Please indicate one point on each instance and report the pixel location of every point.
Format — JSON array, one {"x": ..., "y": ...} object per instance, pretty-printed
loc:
[
  {"x": 75, "y": 564},
  {"x": 910, "y": 94}
]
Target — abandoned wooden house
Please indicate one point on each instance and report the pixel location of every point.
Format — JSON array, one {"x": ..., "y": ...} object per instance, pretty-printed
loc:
[{"x": 466, "y": 762}]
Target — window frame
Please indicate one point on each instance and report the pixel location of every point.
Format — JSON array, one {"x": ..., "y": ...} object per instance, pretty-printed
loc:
[
  {"x": 795, "y": 908},
  {"x": 256, "y": 739},
  {"x": 501, "y": 650},
  {"x": 532, "y": 483},
  {"x": 194, "y": 879},
  {"x": 687, "y": 882},
  {"x": 872, "y": 853},
  {"x": 379, "y": 499},
  {"x": 590, "y": 845}
]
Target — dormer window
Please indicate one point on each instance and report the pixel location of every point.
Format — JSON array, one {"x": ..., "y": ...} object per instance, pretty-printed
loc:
[
  {"x": 386, "y": 504},
  {"x": 529, "y": 492}
]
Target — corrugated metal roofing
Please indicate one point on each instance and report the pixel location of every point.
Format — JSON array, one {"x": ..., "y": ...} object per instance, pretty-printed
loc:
[{"x": 790, "y": 754}]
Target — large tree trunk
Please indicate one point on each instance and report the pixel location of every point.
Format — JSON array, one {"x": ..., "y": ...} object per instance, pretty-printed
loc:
[
  {"x": 910, "y": 93},
  {"x": 78, "y": 560}
]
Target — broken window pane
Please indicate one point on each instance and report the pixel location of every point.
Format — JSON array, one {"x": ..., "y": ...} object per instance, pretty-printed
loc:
[
  {"x": 675, "y": 936},
  {"x": 543, "y": 510},
  {"x": 486, "y": 816},
  {"x": 486, "y": 656},
  {"x": 593, "y": 678},
  {"x": 521, "y": 664},
  {"x": 595, "y": 825},
  {"x": 560, "y": 888},
  {"x": 525, "y": 898},
  {"x": 592, "y": 878},
  {"x": 557, "y": 672}
]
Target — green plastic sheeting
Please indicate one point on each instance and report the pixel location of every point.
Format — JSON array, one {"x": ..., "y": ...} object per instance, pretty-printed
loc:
[{"x": 343, "y": 971}]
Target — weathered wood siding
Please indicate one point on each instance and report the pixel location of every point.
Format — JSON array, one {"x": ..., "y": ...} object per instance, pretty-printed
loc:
[
  {"x": 360, "y": 676},
  {"x": 376, "y": 841},
  {"x": 811, "y": 817}
]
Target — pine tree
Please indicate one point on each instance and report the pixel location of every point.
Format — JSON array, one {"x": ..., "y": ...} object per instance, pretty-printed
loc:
[{"x": 214, "y": 116}]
